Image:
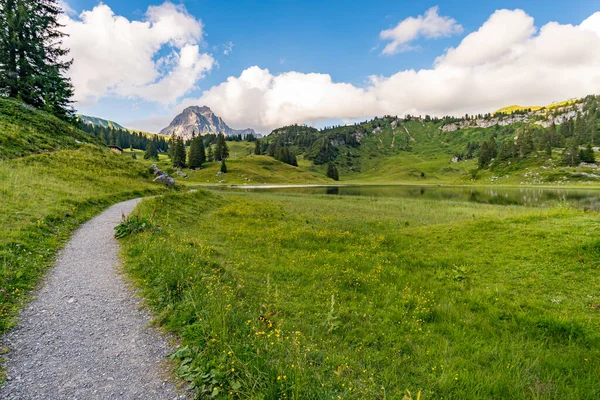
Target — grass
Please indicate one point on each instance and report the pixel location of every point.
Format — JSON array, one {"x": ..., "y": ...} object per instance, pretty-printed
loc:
[
  {"x": 43, "y": 199},
  {"x": 294, "y": 296},
  {"x": 253, "y": 170},
  {"x": 54, "y": 177},
  {"x": 25, "y": 130},
  {"x": 513, "y": 108}
]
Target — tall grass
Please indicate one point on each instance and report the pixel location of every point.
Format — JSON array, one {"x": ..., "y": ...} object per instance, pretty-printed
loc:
[
  {"x": 292, "y": 296},
  {"x": 43, "y": 198}
]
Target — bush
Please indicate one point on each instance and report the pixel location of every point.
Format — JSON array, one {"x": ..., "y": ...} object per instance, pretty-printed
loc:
[{"x": 133, "y": 224}]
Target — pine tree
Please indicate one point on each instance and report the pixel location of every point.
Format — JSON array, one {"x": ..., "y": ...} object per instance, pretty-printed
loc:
[
  {"x": 221, "y": 149},
  {"x": 151, "y": 152},
  {"x": 223, "y": 166},
  {"x": 210, "y": 155},
  {"x": 257, "y": 148},
  {"x": 31, "y": 56},
  {"x": 172, "y": 145},
  {"x": 484, "y": 155},
  {"x": 571, "y": 153},
  {"x": 332, "y": 172},
  {"x": 179, "y": 154},
  {"x": 196, "y": 157}
]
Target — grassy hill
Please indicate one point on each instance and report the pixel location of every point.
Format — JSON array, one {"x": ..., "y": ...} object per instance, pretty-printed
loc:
[
  {"x": 25, "y": 130},
  {"x": 513, "y": 108},
  {"x": 54, "y": 177},
  {"x": 430, "y": 150},
  {"x": 99, "y": 122}
]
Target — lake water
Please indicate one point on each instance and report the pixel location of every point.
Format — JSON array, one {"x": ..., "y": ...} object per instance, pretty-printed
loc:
[{"x": 541, "y": 197}]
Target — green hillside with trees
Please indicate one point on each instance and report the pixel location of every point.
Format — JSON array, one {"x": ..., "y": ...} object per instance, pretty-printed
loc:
[{"x": 424, "y": 149}]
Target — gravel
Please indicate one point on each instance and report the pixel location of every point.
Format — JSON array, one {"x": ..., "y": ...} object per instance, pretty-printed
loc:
[{"x": 86, "y": 336}]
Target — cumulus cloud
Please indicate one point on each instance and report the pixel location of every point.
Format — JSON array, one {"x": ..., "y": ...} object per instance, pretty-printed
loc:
[
  {"x": 506, "y": 61},
  {"x": 156, "y": 59},
  {"x": 431, "y": 26}
]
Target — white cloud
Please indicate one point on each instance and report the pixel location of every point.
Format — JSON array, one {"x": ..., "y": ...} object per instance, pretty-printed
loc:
[
  {"x": 66, "y": 8},
  {"x": 157, "y": 59},
  {"x": 227, "y": 48},
  {"x": 431, "y": 25},
  {"x": 506, "y": 61}
]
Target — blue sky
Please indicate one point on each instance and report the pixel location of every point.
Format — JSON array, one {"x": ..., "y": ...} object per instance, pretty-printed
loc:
[{"x": 338, "y": 38}]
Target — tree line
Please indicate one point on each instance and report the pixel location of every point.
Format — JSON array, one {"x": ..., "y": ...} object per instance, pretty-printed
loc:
[{"x": 198, "y": 153}]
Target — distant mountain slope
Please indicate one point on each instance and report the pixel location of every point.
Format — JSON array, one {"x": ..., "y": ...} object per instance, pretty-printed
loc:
[
  {"x": 202, "y": 121},
  {"x": 408, "y": 148},
  {"x": 99, "y": 122}
]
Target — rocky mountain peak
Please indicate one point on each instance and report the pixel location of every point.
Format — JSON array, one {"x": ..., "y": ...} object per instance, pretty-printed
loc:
[{"x": 201, "y": 120}]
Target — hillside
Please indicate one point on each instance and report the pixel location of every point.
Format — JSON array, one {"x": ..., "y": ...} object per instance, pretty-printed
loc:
[
  {"x": 25, "y": 130},
  {"x": 447, "y": 150},
  {"x": 52, "y": 181},
  {"x": 95, "y": 121}
]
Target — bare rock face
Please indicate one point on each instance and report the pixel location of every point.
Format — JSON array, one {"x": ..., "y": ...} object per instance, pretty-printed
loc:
[
  {"x": 161, "y": 176},
  {"x": 167, "y": 180},
  {"x": 202, "y": 121}
]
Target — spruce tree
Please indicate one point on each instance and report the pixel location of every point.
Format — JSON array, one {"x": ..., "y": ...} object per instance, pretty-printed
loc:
[
  {"x": 223, "y": 166},
  {"x": 201, "y": 151},
  {"x": 196, "y": 156},
  {"x": 484, "y": 155},
  {"x": 221, "y": 150},
  {"x": 257, "y": 148},
  {"x": 332, "y": 172},
  {"x": 151, "y": 152},
  {"x": 549, "y": 148},
  {"x": 179, "y": 153},
  {"x": 210, "y": 155},
  {"x": 32, "y": 62}
]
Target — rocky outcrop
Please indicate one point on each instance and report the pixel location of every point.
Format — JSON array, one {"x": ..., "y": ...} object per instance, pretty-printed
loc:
[
  {"x": 543, "y": 117},
  {"x": 202, "y": 121},
  {"x": 161, "y": 176}
]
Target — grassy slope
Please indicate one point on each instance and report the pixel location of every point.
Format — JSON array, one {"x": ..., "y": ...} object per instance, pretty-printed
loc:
[
  {"x": 100, "y": 122},
  {"x": 458, "y": 300},
  {"x": 431, "y": 152},
  {"x": 25, "y": 130},
  {"x": 253, "y": 170},
  {"x": 243, "y": 167},
  {"x": 44, "y": 197}
]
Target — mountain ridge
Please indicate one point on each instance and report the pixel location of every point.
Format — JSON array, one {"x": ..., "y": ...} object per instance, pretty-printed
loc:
[
  {"x": 96, "y": 121},
  {"x": 203, "y": 121}
]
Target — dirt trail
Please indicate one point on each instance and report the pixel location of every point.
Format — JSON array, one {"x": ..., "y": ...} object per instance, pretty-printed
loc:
[{"x": 85, "y": 335}]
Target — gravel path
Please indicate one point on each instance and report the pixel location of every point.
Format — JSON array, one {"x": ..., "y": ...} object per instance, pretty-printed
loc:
[{"x": 85, "y": 336}]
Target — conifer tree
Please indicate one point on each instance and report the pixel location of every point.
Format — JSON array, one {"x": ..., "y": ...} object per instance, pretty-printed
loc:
[
  {"x": 571, "y": 153},
  {"x": 151, "y": 152},
  {"x": 221, "y": 149},
  {"x": 197, "y": 156},
  {"x": 210, "y": 155},
  {"x": 548, "y": 148},
  {"x": 484, "y": 155},
  {"x": 32, "y": 62},
  {"x": 179, "y": 153},
  {"x": 223, "y": 166},
  {"x": 257, "y": 148},
  {"x": 332, "y": 172}
]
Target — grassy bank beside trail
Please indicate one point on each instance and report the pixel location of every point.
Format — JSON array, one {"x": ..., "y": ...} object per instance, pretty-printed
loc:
[
  {"x": 44, "y": 198},
  {"x": 293, "y": 296}
]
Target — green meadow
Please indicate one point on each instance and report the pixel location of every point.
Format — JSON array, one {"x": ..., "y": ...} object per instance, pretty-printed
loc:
[
  {"x": 52, "y": 181},
  {"x": 306, "y": 296}
]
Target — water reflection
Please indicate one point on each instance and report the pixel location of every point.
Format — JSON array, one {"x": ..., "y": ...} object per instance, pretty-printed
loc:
[{"x": 582, "y": 198}]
